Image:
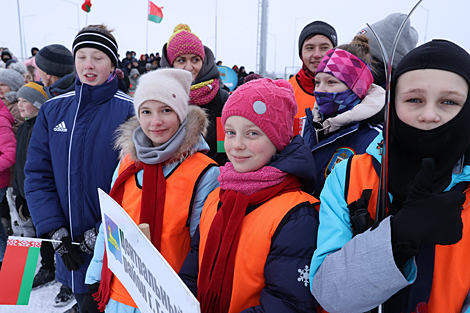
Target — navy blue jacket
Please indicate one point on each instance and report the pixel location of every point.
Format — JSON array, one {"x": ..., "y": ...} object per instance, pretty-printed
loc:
[
  {"x": 287, "y": 265},
  {"x": 70, "y": 155},
  {"x": 338, "y": 146}
]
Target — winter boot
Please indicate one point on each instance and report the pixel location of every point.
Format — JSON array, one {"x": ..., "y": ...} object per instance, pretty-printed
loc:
[
  {"x": 73, "y": 309},
  {"x": 64, "y": 297},
  {"x": 43, "y": 278}
]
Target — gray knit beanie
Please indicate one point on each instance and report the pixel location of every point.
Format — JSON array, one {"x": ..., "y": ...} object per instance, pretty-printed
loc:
[
  {"x": 317, "y": 28},
  {"x": 34, "y": 93},
  {"x": 387, "y": 30},
  {"x": 12, "y": 79},
  {"x": 55, "y": 60}
]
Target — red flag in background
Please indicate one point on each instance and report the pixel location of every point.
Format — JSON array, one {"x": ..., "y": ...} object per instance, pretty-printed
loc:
[
  {"x": 155, "y": 13},
  {"x": 86, "y": 6}
]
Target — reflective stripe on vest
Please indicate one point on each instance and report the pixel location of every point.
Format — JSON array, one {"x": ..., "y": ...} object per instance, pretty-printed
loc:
[
  {"x": 451, "y": 278},
  {"x": 181, "y": 186},
  {"x": 304, "y": 100},
  {"x": 257, "y": 231}
]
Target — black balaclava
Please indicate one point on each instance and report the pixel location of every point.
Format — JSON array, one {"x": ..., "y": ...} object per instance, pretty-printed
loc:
[{"x": 446, "y": 144}]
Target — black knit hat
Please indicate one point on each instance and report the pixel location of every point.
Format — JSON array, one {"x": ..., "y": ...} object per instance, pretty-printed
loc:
[
  {"x": 436, "y": 54},
  {"x": 445, "y": 144},
  {"x": 55, "y": 60},
  {"x": 98, "y": 38},
  {"x": 317, "y": 28}
]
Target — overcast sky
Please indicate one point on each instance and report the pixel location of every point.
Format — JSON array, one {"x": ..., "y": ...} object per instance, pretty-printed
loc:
[{"x": 57, "y": 21}]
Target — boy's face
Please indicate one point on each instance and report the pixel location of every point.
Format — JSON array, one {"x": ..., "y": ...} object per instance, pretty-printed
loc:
[
  {"x": 426, "y": 99},
  {"x": 27, "y": 109},
  {"x": 313, "y": 50},
  {"x": 93, "y": 66}
]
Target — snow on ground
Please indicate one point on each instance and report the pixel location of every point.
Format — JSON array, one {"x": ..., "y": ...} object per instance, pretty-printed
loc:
[{"x": 41, "y": 300}]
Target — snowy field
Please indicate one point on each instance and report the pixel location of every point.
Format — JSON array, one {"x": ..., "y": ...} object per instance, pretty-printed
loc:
[{"x": 41, "y": 301}]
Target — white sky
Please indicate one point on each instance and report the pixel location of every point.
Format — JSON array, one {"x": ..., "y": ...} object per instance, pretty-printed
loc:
[{"x": 56, "y": 21}]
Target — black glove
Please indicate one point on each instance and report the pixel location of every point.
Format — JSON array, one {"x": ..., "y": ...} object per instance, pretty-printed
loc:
[
  {"x": 65, "y": 249},
  {"x": 88, "y": 240},
  {"x": 426, "y": 217},
  {"x": 89, "y": 304}
]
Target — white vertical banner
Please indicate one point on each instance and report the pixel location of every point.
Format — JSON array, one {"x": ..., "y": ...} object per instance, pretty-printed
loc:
[{"x": 149, "y": 279}]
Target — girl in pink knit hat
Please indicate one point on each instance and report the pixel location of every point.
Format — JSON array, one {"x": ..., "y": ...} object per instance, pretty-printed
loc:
[
  {"x": 250, "y": 252},
  {"x": 185, "y": 50}
]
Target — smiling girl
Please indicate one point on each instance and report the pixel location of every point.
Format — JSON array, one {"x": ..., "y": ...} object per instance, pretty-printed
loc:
[
  {"x": 258, "y": 230},
  {"x": 162, "y": 167}
]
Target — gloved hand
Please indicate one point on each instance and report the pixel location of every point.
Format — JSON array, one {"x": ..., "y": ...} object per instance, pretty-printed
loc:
[
  {"x": 88, "y": 240},
  {"x": 89, "y": 304},
  {"x": 65, "y": 249},
  {"x": 426, "y": 217}
]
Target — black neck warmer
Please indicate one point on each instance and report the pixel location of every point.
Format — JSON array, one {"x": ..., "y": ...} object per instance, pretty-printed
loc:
[{"x": 446, "y": 144}]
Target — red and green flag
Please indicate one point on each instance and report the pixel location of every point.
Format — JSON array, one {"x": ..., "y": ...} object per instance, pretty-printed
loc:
[
  {"x": 86, "y": 6},
  {"x": 220, "y": 136},
  {"x": 18, "y": 269},
  {"x": 155, "y": 13}
]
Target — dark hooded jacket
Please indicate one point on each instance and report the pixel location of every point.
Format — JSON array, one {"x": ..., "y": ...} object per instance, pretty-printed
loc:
[{"x": 290, "y": 252}]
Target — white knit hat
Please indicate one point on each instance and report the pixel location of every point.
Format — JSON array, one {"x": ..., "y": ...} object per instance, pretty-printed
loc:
[{"x": 167, "y": 85}]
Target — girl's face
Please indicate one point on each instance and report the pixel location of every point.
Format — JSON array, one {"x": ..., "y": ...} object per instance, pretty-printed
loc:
[
  {"x": 247, "y": 147},
  {"x": 328, "y": 83},
  {"x": 426, "y": 99},
  {"x": 189, "y": 62},
  {"x": 27, "y": 109},
  {"x": 158, "y": 121},
  {"x": 93, "y": 66},
  {"x": 3, "y": 90}
]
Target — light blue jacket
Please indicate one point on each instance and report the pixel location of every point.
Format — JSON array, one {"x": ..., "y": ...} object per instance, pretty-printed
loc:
[{"x": 356, "y": 274}]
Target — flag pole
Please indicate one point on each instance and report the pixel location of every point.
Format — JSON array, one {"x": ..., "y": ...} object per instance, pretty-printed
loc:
[{"x": 147, "y": 32}]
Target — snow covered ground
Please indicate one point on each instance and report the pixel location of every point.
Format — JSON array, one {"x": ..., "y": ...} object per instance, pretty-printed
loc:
[{"x": 41, "y": 301}]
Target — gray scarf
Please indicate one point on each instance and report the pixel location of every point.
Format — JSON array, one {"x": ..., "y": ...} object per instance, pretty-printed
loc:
[{"x": 149, "y": 154}]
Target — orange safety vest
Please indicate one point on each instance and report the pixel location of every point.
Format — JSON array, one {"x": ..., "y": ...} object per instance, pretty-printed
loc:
[
  {"x": 181, "y": 188},
  {"x": 257, "y": 230},
  {"x": 451, "y": 280},
  {"x": 303, "y": 98}
]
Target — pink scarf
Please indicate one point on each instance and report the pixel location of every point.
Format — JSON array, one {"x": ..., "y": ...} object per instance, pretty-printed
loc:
[
  {"x": 204, "y": 92},
  {"x": 251, "y": 182}
]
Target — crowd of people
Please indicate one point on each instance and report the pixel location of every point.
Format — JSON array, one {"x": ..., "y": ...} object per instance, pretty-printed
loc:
[{"x": 284, "y": 220}]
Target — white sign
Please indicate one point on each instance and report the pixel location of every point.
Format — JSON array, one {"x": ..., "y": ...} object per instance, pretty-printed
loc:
[{"x": 149, "y": 279}]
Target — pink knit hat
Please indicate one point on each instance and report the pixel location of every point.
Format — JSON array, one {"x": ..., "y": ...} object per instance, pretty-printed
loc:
[
  {"x": 349, "y": 69},
  {"x": 269, "y": 104},
  {"x": 183, "y": 41}
]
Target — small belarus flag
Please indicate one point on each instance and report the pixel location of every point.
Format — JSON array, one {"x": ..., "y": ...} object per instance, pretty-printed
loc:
[
  {"x": 155, "y": 13},
  {"x": 220, "y": 136},
  {"x": 86, "y": 6},
  {"x": 18, "y": 269}
]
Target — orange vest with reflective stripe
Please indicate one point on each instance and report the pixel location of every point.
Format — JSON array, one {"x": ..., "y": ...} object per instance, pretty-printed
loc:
[
  {"x": 257, "y": 230},
  {"x": 181, "y": 187},
  {"x": 304, "y": 99},
  {"x": 451, "y": 280}
]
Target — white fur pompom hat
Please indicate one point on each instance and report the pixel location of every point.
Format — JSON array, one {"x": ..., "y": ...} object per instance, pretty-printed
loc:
[{"x": 167, "y": 85}]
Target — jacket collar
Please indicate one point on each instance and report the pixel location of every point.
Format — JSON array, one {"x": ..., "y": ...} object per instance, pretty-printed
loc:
[{"x": 96, "y": 94}]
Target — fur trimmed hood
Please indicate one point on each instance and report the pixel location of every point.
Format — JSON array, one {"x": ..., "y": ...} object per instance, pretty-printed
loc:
[{"x": 196, "y": 125}]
